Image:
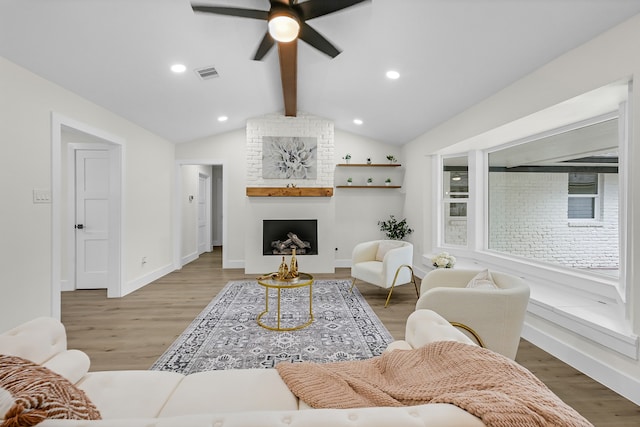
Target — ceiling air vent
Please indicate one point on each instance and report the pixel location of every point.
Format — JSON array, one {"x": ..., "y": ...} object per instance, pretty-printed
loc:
[{"x": 207, "y": 73}]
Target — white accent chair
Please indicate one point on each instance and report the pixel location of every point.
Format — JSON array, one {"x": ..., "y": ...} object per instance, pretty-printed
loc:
[
  {"x": 383, "y": 263},
  {"x": 493, "y": 317}
]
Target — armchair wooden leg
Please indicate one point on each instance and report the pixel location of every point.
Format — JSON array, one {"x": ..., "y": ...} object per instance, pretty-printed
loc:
[{"x": 353, "y": 282}]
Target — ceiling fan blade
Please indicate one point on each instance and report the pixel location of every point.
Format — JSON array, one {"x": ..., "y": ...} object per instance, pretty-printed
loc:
[
  {"x": 233, "y": 11},
  {"x": 265, "y": 45},
  {"x": 313, "y": 8},
  {"x": 288, "y": 54},
  {"x": 318, "y": 41}
]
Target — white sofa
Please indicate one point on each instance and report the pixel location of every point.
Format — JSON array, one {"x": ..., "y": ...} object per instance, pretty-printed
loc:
[{"x": 231, "y": 398}]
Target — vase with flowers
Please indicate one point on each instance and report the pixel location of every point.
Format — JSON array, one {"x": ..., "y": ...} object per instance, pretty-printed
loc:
[{"x": 443, "y": 260}]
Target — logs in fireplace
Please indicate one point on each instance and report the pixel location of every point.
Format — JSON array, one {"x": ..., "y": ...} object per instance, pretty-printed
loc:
[
  {"x": 285, "y": 247},
  {"x": 281, "y": 236}
]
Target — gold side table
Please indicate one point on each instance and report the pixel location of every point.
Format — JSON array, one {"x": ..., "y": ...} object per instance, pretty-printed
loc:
[{"x": 303, "y": 280}]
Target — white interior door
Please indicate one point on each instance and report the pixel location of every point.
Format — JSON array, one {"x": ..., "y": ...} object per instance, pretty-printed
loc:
[
  {"x": 204, "y": 216},
  {"x": 92, "y": 218}
]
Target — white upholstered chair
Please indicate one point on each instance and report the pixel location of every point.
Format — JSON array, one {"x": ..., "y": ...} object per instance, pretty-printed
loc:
[
  {"x": 492, "y": 316},
  {"x": 383, "y": 263}
]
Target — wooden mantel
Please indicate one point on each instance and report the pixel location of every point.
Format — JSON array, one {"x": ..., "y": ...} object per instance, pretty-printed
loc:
[{"x": 289, "y": 191}]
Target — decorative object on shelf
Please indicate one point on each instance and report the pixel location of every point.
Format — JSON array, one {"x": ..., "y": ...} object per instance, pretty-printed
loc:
[
  {"x": 387, "y": 182},
  {"x": 347, "y": 158},
  {"x": 368, "y": 160},
  {"x": 391, "y": 158},
  {"x": 369, "y": 181},
  {"x": 285, "y": 272},
  {"x": 293, "y": 266},
  {"x": 394, "y": 229},
  {"x": 443, "y": 260},
  {"x": 349, "y": 181}
]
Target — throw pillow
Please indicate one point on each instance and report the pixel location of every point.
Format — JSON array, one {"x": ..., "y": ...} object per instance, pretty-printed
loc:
[
  {"x": 384, "y": 247},
  {"x": 31, "y": 393},
  {"x": 482, "y": 280}
]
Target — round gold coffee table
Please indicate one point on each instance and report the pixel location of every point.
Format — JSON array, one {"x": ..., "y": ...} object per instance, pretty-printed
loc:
[{"x": 303, "y": 279}]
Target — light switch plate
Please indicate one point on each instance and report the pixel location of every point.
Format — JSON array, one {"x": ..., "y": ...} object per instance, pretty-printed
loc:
[{"x": 41, "y": 196}]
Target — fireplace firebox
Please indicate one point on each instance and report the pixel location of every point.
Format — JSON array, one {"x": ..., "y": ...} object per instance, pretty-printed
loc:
[{"x": 281, "y": 236}]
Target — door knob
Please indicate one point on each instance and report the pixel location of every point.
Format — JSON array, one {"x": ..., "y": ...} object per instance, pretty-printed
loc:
[{"x": 79, "y": 226}]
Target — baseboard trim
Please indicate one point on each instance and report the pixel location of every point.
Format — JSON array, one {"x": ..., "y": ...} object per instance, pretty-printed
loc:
[
  {"x": 234, "y": 264},
  {"x": 189, "y": 258},
  {"x": 606, "y": 375},
  {"x": 67, "y": 285},
  {"x": 142, "y": 281}
]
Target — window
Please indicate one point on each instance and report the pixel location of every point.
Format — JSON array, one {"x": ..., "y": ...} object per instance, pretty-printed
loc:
[
  {"x": 455, "y": 196},
  {"x": 583, "y": 196},
  {"x": 536, "y": 185}
]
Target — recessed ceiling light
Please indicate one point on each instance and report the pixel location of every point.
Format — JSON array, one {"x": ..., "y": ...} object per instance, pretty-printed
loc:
[
  {"x": 357, "y": 121},
  {"x": 178, "y": 68},
  {"x": 223, "y": 118},
  {"x": 393, "y": 75}
]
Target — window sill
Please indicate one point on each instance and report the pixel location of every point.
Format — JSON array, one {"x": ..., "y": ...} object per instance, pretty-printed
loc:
[
  {"x": 585, "y": 223},
  {"x": 600, "y": 320}
]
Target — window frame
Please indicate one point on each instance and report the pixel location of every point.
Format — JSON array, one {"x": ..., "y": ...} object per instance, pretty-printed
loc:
[
  {"x": 476, "y": 249},
  {"x": 597, "y": 201}
]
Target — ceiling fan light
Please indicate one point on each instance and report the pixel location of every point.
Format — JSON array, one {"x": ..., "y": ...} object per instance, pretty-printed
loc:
[{"x": 284, "y": 28}]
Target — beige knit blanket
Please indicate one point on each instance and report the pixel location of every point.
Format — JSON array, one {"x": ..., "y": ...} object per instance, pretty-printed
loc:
[{"x": 486, "y": 384}]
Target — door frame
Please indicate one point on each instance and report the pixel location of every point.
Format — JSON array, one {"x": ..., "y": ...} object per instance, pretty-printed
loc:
[
  {"x": 177, "y": 208},
  {"x": 207, "y": 214},
  {"x": 115, "y": 145}
]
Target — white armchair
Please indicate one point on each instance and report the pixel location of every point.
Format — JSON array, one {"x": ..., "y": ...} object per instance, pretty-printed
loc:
[
  {"x": 383, "y": 263},
  {"x": 494, "y": 317}
]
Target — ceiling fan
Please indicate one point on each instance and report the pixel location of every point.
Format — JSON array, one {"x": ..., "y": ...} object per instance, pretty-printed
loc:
[{"x": 286, "y": 24}]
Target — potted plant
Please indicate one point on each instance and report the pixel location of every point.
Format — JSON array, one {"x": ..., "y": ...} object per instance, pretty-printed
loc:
[
  {"x": 369, "y": 181},
  {"x": 349, "y": 181},
  {"x": 347, "y": 158},
  {"x": 387, "y": 181},
  {"x": 394, "y": 229},
  {"x": 391, "y": 158}
]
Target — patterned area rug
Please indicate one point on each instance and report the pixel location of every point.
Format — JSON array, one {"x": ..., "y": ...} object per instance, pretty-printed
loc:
[{"x": 226, "y": 336}]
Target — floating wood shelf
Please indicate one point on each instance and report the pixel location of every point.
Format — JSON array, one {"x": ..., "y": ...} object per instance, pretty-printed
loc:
[
  {"x": 374, "y": 165},
  {"x": 368, "y": 186},
  {"x": 289, "y": 191}
]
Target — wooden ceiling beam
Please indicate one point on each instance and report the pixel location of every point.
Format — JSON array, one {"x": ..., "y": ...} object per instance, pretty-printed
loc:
[{"x": 288, "y": 54}]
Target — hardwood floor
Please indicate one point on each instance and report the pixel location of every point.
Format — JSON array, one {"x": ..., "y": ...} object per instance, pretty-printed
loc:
[{"x": 132, "y": 332}]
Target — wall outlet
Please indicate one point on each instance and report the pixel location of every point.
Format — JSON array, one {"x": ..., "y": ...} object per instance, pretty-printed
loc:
[{"x": 144, "y": 260}]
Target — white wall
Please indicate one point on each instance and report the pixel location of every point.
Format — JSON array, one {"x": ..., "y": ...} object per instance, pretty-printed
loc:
[
  {"x": 608, "y": 58},
  {"x": 227, "y": 150},
  {"x": 356, "y": 211},
  {"x": 359, "y": 210},
  {"x": 26, "y": 106}
]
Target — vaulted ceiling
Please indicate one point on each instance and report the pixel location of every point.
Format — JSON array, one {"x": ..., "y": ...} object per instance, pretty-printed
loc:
[{"x": 450, "y": 55}]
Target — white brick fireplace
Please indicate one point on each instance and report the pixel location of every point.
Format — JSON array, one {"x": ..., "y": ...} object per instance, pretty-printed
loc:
[{"x": 321, "y": 209}]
